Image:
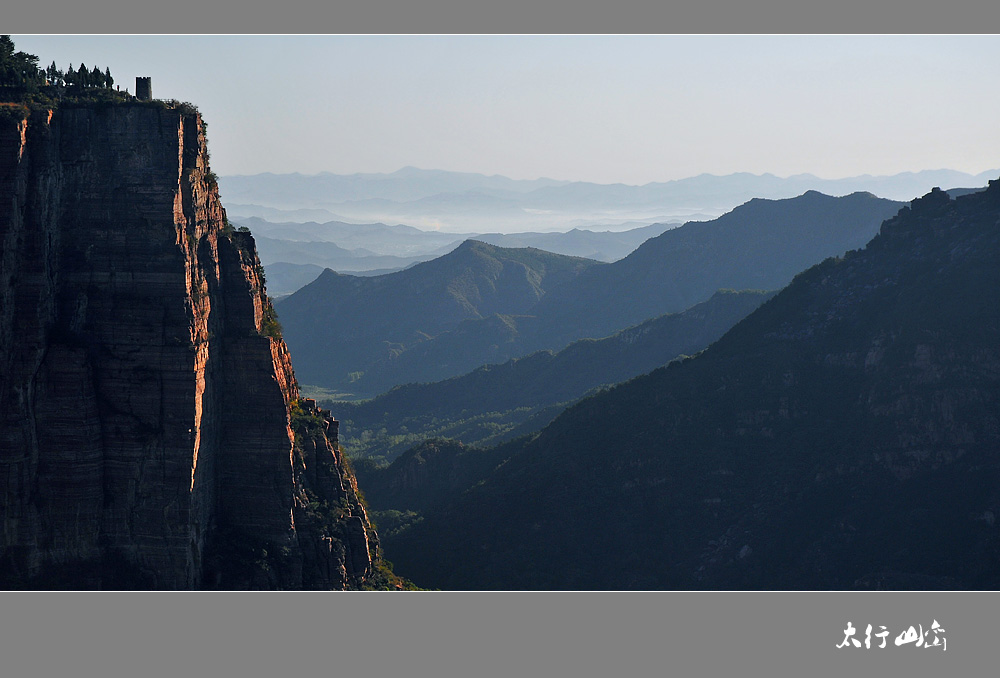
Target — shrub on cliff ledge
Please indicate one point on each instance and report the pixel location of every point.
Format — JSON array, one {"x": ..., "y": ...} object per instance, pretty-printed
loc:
[
  {"x": 269, "y": 325},
  {"x": 306, "y": 422}
]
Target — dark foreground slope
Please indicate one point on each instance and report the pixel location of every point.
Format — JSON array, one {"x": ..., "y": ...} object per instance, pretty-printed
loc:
[
  {"x": 497, "y": 402},
  {"x": 845, "y": 435}
]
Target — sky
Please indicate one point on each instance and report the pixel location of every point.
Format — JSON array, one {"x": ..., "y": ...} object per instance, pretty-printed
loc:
[{"x": 606, "y": 109}]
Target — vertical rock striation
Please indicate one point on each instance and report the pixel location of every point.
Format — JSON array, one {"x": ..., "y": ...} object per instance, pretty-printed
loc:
[{"x": 150, "y": 432}]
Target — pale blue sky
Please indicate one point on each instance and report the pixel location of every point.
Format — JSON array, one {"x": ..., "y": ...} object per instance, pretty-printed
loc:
[{"x": 604, "y": 108}]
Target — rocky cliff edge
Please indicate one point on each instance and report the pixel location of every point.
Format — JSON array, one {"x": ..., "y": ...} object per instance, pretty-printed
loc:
[{"x": 151, "y": 430}]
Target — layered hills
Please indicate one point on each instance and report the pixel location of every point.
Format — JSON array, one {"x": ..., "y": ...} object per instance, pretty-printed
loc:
[
  {"x": 290, "y": 251},
  {"x": 844, "y": 435},
  {"x": 343, "y": 327},
  {"x": 463, "y": 202},
  {"x": 151, "y": 429},
  {"x": 344, "y": 336},
  {"x": 602, "y": 245},
  {"x": 500, "y": 401},
  {"x": 370, "y": 239}
]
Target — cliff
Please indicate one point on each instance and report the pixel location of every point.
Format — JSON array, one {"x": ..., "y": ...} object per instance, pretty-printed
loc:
[{"x": 151, "y": 433}]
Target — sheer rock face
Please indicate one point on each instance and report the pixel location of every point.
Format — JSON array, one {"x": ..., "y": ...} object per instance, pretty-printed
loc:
[{"x": 145, "y": 430}]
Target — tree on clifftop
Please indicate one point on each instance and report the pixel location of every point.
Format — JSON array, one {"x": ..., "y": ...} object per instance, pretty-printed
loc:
[
  {"x": 18, "y": 69},
  {"x": 22, "y": 81}
]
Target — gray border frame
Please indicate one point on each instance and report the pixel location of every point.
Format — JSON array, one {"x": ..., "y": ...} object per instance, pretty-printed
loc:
[
  {"x": 491, "y": 634},
  {"x": 512, "y": 16}
]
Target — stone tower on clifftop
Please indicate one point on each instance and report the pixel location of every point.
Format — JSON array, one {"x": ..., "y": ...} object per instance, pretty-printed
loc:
[{"x": 144, "y": 89}]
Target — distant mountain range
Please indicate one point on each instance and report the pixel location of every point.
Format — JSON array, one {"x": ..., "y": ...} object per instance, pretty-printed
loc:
[
  {"x": 341, "y": 338},
  {"x": 604, "y": 246},
  {"x": 329, "y": 255},
  {"x": 370, "y": 249},
  {"x": 464, "y": 202},
  {"x": 283, "y": 278},
  {"x": 365, "y": 239},
  {"x": 409, "y": 183},
  {"x": 356, "y": 242},
  {"x": 843, "y": 436}
]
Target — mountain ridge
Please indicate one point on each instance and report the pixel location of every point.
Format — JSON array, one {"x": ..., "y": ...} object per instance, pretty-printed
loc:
[
  {"x": 361, "y": 321},
  {"x": 760, "y": 245},
  {"x": 842, "y": 436},
  {"x": 493, "y": 402}
]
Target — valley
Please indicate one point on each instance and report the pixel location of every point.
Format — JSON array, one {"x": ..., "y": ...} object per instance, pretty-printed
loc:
[{"x": 444, "y": 379}]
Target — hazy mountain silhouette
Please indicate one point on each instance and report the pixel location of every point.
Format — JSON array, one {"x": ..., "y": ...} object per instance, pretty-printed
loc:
[
  {"x": 284, "y": 278},
  {"x": 409, "y": 183},
  {"x": 341, "y": 324},
  {"x": 605, "y": 246},
  {"x": 329, "y": 255},
  {"x": 760, "y": 245},
  {"x": 366, "y": 240},
  {"x": 374, "y": 238},
  {"x": 463, "y": 202}
]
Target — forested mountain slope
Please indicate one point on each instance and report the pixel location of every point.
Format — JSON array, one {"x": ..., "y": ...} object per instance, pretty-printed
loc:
[
  {"x": 845, "y": 435},
  {"x": 496, "y": 402}
]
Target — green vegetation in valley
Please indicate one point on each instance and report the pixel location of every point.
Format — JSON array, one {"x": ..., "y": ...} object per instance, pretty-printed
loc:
[
  {"x": 499, "y": 402},
  {"x": 324, "y": 516}
]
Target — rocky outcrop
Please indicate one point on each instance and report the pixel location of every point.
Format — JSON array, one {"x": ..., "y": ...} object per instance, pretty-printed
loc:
[{"x": 146, "y": 429}]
